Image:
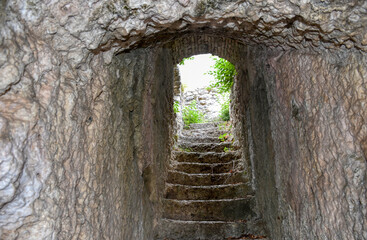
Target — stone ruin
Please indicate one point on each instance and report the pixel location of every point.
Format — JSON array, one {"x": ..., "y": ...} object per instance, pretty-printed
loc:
[
  {"x": 207, "y": 102},
  {"x": 86, "y": 95}
]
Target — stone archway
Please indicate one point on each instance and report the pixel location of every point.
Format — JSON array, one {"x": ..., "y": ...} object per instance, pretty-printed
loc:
[{"x": 82, "y": 112}]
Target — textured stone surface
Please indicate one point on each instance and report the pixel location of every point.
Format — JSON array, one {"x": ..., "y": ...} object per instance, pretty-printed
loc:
[
  {"x": 212, "y": 210},
  {"x": 82, "y": 153},
  {"x": 216, "y": 230},
  {"x": 200, "y": 191},
  {"x": 88, "y": 163},
  {"x": 207, "y": 102},
  {"x": 308, "y": 141},
  {"x": 206, "y": 178}
]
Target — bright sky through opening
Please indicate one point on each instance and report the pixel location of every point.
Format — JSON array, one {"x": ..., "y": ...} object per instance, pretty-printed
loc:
[{"x": 192, "y": 72}]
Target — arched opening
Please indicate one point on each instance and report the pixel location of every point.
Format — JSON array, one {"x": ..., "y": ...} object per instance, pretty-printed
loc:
[
  {"x": 269, "y": 117},
  {"x": 158, "y": 115},
  {"x": 208, "y": 190},
  {"x": 85, "y": 116}
]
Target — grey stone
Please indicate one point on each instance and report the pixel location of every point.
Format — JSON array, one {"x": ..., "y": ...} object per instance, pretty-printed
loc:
[{"x": 86, "y": 94}]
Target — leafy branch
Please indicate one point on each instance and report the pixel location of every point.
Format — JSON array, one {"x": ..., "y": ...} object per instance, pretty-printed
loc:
[{"x": 223, "y": 73}]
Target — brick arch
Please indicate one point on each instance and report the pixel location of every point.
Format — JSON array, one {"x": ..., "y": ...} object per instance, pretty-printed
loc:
[{"x": 222, "y": 46}]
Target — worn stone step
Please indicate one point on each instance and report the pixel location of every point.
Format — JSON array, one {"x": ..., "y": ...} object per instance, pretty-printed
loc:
[
  {"x": 204, "y": 134},
  {"x": 204, "y": 125},
  {"x": 206, "y": 157},
  {"x": 209, "y": 210},
  {"x": 170, "y": 229},
  {"x": 199, "y": 139},
  {"x": 187, "y": 192},
  {"x": 192, "y": 167},
  {"x": 205, "y": 179},
  {"x": 210, "y": 132},
  {"x": 205, "y": 147}
]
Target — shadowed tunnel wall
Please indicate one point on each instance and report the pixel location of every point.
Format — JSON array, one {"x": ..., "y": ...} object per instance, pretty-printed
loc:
[{"x": 85, "y": 117}]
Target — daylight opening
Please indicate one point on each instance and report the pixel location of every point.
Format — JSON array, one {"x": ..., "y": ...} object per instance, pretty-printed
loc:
[
  {"x": 203, "y": 88},
  {"x": 207, "y": 181}
]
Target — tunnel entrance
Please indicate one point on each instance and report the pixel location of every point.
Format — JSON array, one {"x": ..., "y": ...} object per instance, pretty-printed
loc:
[
  {"x": 208, "y": 191},
  {"x": 86, "y": 118},
  {"x": 269, "y": 119}
]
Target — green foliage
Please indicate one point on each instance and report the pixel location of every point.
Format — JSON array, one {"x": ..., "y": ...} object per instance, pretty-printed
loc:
[
  {"x": 225, "y": 126},
  {"x": 224, "y": 110},
  {"x": 226, "y": 149},
  {"x": 209, "y": 88},
  {"x": 185, "y": 149},
  {"x": 185, "y": 59},
  {"x": 183, "y": 87},
  {"x": 223, "y": 73},
  {"x": 176, "y": 107},
  {"x": 224, "y": 100},
  {"x": 226, "y": 137},
  {"x": 191, "y": 114},
  {"x": 223, "y": 137}
]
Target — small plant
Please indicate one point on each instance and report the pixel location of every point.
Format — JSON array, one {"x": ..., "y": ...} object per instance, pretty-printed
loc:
[
  {"x": 176, "y": 107},
  {"x": 224, "y": 111},
  {"x": 184, "y": 60},
  {"x": 222, "y": 126},
  {"x": 225, "y": 126},
  {"x": 209, "y": 88},
  {"x": 224, "y": 137},
  {"x": 183, "y": 87},
  {"x": 191, "y": 114},
  {"x": 184, "y": 149},
  {"x": 226, "y": 149}
]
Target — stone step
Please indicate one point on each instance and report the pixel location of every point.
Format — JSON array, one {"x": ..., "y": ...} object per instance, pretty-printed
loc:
[
  {"x": 210, "y": 132},
  {"x": 205, "y": 147},
  {"x": 206, "y": 157},
  {"x": 206, "y": 179},
  {"x": 204, "y": 125},
  {"x": 199, "y": 139},
  {"x": 170, "y": 229},
  {"x": 191, "y": 167},
  {"x": 209, "y": 210},
  {"x": 204, "y": 134},
  {"x": 187, "y": 192}
]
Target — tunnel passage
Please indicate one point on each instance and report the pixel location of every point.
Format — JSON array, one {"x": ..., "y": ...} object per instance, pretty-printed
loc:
[{"x": 85, "y": 117}]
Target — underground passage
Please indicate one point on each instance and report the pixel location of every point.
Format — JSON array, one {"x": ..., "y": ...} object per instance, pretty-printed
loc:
[{"x": 88, "y": 132}]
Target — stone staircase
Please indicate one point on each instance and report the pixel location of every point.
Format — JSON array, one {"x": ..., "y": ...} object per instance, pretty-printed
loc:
[{"x": 207, "y": 194}]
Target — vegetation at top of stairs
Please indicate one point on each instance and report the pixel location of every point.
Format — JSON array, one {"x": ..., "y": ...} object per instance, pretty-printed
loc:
[{"x": 191, "y": 114}]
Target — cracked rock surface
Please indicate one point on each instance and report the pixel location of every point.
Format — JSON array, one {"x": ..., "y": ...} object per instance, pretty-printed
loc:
[{"x": 85, "y": 117}]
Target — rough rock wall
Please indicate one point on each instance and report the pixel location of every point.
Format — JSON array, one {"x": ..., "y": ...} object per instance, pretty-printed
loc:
[
  {"x": 178, "y": 99},
  {"x": 135, "y": 158},
  {"x": 241, "y": 129},
  {"x": 307, "y": 114},
  {"x": 90, "y": 166},
  {"x": 55, "y": 99}
]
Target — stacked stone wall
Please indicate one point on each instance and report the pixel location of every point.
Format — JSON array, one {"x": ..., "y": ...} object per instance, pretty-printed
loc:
[{"x": 208, "y": 102}]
